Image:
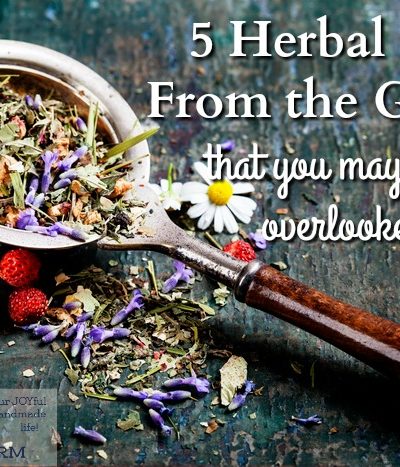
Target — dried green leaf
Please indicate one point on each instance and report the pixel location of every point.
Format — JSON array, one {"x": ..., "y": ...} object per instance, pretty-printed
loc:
[
  {"x": 233, "y": 376},
  {"x": 132, "y": 421}
]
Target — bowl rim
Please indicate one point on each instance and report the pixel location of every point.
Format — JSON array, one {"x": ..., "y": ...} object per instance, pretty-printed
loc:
[{"x": 91, "y": 87}]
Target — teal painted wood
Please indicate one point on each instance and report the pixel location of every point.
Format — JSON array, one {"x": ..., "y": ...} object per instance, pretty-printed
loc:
[{"x": 131, "y": 42}]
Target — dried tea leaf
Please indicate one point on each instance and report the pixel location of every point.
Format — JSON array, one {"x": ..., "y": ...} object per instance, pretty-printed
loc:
[
  {"x": 72, "y": 375},
  {"x": 280, "y": 265},
  {"x": 212, "y": 426},
  {"x": 73, "y": 397},
  {"x": 86, "y": 297},
  {"x": 221, "y": 294},
  {"x": 60, "y": 278},
  {"x": 207, "y": 309},
  {"x": 132, "y": 421},
  {"x": 233, "y": 376},
  {"x": 101, "y": 453},
  {"x": 28, "y": 373}
]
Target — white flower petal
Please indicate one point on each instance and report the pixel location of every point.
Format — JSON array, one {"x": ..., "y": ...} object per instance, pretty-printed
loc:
[
  {"x": 229, "y": 221},
  {"x": 203, "y": 171},
  {"x": 177, "y": 188},
  {"x": 241, "y": 188},
  {"x": 242, "y": 216},
  {"x": 218, "y": 220},
  {"x": 206, "y": 219},
  {"x": 198, "y": 209},
  {"x": 198, "y": 198},
  {"x": 244, "y": 203},
  {"x": 156, "y": 188},
  {"x": 191, "y": 188},
  {"x": 164, "y": 184}
]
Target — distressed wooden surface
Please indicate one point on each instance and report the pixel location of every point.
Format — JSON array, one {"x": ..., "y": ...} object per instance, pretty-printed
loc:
[{"x": 131, "y": 42}]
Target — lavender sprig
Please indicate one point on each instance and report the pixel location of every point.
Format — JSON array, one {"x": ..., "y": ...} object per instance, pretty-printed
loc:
[
  {"x": 240, "y": 398},
  {"x": 90, "y": 435},
  {"x": 135, "y": 303},
  {"x": 159, "y": 423},
  {"x": 182, "y": 273},
  {"x": 313, "y": 420},
  {"x": 72, "y": 305}
]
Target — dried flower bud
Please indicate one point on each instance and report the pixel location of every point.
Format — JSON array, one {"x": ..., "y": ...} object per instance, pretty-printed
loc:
[
  {"x": 157, "y": 406},
  {"x": 173, "y": 396},
  {"x": 90, "y": 435},
  {"x": 159, "y": 423},
  {"x": 81, "y": 125},
  {"x": 200, "y": 385},
  {"x": 128, "y": 393},
  {"x": 135, "y": 303},
  {"x": 313, "y": 420}
]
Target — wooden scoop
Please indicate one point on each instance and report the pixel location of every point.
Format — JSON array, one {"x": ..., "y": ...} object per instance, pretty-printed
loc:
[{"x": 371, "y": 339}]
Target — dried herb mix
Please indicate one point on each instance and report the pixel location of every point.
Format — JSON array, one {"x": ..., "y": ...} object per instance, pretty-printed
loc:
[{"x": 57, "y": 175}]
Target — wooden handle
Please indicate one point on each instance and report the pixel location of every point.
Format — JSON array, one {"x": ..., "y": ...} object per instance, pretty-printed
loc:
[{"x": 371, "y": 339}]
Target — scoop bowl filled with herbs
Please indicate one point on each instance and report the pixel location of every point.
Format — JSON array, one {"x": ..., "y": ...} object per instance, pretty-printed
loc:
[{"x": 71, "y": 149}]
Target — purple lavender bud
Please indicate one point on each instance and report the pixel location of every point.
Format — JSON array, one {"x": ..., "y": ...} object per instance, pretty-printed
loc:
[
  {"x": 170, "y": 283},
  {"x": 240, "y": 398},
  {"x": 41, "y": 230},
  {"x": 172, "y": 396},
  {"x": 29, "y": 100},
  {"x": 128, "y": 393},
  {"x": 85, "y": 317},
  {"x": 135, "y": 303},
  {"x": 67, "y": 163},
  {"x": 182, "y": 273},
  {"x": 51, "y": 336},
  {"x": 49, "y": 158},
  {"x": 37, "y": 102},
  {"x": 86, "y": 354},
  {"x": 77, "y": 342},
  {"x": 29, "y": 327},
  {"x": 158, "y": 406},
  {"x": 227, "y": 146},
  {"x": 71, "y": 174},
  {"x": 258, "y": 240},
  {"x": 159, "y": 423},
  {"x": 81, "y": 125},
  {"x": 237, "y": 402},
  {"x": 62, "y": 183},
  {"x": 99, "y": 334},
  {"x": 43, "y": 329},
  {"x": 33, "y": 187},
  {"x": 71, "y": 331},
  {"x": 313, "y": 420},
  {"x": 120, "y": 333},
  {"x": 90, "y": 435},
  {"x": 200, "y": 385},
  {"x": 39, "y": 200},
  {"x": 72, "y": 305},
  {"x": 62, "y": 229},
  {"x": 27, "y": 218},
  {"x": 80, "y": 152}
]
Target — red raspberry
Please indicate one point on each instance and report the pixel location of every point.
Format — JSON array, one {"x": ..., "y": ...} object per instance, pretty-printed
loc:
[
  {"x": 240, "y": 250},
  {"x": 19, "y": 267},
  {"x": 27, "y": 305}
]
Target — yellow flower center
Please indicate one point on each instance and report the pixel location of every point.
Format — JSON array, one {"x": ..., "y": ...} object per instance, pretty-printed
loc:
[{"x": 220, "y": 192}]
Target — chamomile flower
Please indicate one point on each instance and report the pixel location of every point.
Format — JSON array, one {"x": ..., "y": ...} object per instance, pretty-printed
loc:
[
  {"x": 169, "y": 192},
  {"x": 218, "y": 201}
]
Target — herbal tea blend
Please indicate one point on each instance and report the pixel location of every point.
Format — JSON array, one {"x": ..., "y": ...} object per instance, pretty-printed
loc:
[{"x": 57, "y": 176}]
